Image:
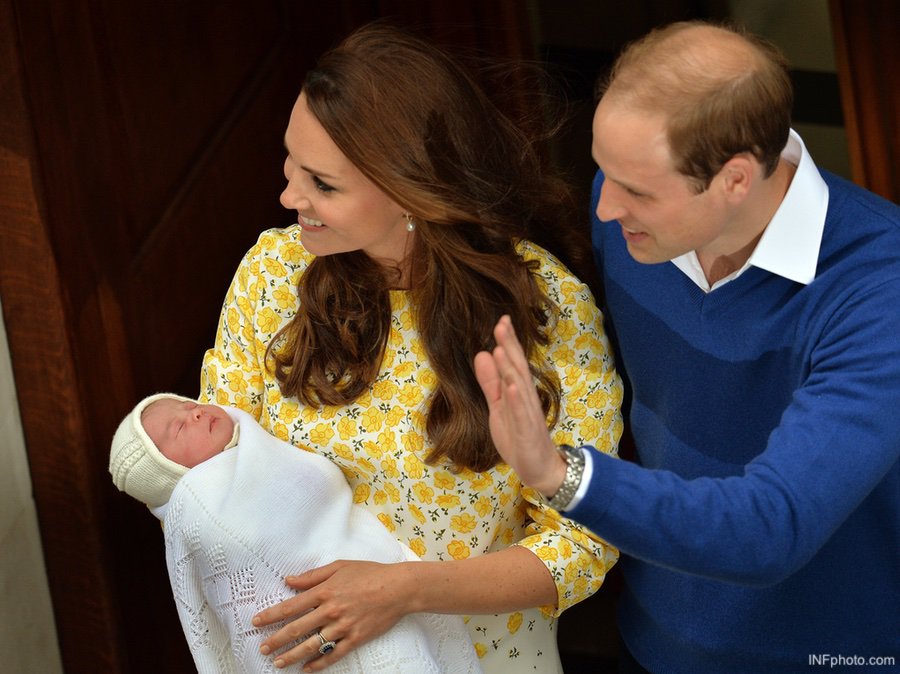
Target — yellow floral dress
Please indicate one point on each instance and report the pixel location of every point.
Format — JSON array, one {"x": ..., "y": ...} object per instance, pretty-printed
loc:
[{"x": 379, "y": 440}]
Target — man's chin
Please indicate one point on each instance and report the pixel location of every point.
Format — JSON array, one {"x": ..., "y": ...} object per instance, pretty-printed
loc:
[{"x": 645, "y": 254}]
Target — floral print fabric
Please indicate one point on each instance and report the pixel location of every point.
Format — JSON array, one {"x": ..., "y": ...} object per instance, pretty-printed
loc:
[{"x": 379, "y": 440}]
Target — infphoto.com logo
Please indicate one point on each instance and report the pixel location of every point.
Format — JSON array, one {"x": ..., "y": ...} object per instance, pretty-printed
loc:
[{"x": 830, "y": 661}]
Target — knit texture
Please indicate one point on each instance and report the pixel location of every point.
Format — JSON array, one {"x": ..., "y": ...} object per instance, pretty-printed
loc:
[
  {"x": 241, "y": 521},
  {"x": 137, "y": 466},
  {"x": 769, "y": 527}
]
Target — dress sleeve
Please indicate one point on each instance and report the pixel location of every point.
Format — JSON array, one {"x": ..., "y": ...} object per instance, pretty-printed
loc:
[
  {"x": 232, "y": 370},
  {"x": 590, "y": 413}
]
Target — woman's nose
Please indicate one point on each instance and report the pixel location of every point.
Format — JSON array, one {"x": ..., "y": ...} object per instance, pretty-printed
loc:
[
  {"x": 293, "y": 197},
  {"x": 287, "y": 198}
]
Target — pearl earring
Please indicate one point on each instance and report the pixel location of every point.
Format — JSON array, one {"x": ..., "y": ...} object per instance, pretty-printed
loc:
[{"x": 410, "y": 225}]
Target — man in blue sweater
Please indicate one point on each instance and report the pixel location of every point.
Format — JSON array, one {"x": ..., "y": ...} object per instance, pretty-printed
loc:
[{"x": 755, "y": 304}]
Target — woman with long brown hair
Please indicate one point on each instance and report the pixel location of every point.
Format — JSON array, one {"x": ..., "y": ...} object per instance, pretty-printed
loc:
[{"x": 352, "y": 334}]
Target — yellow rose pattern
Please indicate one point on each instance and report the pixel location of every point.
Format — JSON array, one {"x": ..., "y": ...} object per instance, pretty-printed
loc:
[{"x": 379, "y": 441}]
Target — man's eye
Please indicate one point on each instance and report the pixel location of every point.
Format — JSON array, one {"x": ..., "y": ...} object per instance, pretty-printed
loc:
[{"x": 322, "y": 186}]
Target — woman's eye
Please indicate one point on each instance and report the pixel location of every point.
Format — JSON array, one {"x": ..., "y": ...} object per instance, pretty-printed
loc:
[{"x": 322, "y": 186}]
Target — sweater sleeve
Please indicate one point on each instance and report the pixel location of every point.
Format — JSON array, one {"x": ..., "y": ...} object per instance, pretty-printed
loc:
[
  {"x": 836, "y": 442},
  {"x": 590, "y": 413}
]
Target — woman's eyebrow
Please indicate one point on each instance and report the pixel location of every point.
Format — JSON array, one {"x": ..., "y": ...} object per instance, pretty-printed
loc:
[
  {"x": 320, "y": 174},
  {"x": 308, "y": 169}
]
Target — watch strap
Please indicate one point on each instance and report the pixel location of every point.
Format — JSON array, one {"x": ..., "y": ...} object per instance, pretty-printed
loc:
[{"x": 574, "y": 457}]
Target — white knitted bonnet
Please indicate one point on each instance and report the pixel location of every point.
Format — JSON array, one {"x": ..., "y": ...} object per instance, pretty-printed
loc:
[{"x": 137, "y": 466}]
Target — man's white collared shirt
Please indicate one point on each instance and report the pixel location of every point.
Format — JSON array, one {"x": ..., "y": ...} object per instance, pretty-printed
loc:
[{"x": 789, "y": 245}]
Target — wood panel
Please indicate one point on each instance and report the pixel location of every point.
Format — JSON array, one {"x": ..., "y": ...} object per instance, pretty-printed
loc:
[
  {"x": 36, "y": 324},
  {"x": 143, "y": 151},
  {"x": 867, "y": 51}
]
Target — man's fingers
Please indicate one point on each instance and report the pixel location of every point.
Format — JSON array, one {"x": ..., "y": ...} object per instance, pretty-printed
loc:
[
  {"x": 505, "y": 335},
  {"x": 488, "y": 376}
]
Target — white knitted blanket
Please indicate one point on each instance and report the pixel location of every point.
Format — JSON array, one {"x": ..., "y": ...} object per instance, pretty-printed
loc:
[{"x": 241, "y": 521}]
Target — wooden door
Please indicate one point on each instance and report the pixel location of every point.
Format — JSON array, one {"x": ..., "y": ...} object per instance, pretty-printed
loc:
[
  {"x": 140, "y": 155},
  {"x": 867, "y": 51}
]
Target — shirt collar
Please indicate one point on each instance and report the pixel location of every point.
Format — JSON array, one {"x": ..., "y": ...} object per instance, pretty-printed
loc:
[{"x": 789, "y": 246}]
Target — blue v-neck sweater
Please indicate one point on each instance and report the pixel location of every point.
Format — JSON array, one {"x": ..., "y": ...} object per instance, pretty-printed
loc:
[{"x": 764, "y": 525}]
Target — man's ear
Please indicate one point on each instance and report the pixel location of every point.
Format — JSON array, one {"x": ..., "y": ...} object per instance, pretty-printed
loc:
[{"x": 736, "y": 177}]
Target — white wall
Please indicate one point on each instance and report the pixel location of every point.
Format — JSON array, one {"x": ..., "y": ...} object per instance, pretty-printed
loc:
[{"x": 27, "y": 632}]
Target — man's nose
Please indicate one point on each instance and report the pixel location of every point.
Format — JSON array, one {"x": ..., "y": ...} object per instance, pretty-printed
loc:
[{"x": 609, "y": 207}]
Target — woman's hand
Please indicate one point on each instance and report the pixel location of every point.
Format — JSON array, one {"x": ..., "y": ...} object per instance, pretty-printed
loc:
[
  {"x": 517, "y": 421},
  {"x": 348, "y": 602}
]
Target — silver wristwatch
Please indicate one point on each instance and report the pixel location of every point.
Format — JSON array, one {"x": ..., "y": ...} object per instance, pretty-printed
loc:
[{"x": 574, "y": 457}]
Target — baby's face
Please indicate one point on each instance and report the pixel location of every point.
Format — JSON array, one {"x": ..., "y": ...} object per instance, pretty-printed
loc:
[{"x": 185, "y": 432}]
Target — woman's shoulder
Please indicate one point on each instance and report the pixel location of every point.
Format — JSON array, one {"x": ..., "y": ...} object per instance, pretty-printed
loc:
[
  {"x": 281, "y": 244},
  {"x": 553, "y": 273},
  {"x": 529, "y": 250}
]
